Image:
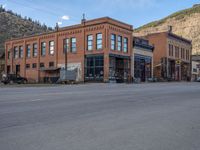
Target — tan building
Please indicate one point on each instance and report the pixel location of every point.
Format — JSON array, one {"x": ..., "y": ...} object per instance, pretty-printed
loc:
[{"x": 171, "y": 56}]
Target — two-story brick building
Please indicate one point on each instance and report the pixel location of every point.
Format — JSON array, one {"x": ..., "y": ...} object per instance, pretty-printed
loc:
[
  {"x": 171, "y": 56},
  {"x": 99, "y": 49}
]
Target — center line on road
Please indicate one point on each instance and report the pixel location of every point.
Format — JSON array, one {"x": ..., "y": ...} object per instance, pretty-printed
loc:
[{"x": 35, "y": 100}]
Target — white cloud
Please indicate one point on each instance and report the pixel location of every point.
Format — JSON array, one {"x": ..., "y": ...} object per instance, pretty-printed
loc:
[
  {"x": 65, "y": 17},
  {"x": 59, "y": 23},
  {"x": 4, "y": 5}
]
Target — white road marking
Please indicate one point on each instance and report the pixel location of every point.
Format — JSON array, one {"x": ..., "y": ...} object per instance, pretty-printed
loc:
[{"x": 34, "y": 100}]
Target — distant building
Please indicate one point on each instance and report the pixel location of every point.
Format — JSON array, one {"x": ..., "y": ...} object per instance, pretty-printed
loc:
[
  {"x": 195, "y": 70},
  {"x": 142, "y": 59},
  {"x": 195, "y": 67},
  {"x": 196, "y": 58},
  {"x": 171, "y": 56}
]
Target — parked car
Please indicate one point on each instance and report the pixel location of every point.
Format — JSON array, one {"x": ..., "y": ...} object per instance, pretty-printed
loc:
[
  {"x": 13, "y": 78},
  {"x": 198, "y": 79}
]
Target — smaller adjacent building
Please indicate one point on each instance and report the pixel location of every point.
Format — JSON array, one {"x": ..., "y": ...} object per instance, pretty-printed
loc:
[
  {"x": 171, "y": 56},
  {"x": 142, "y": 59},
  {"x": 195, "y": 67},
  {"x": 195, "y": 70}
]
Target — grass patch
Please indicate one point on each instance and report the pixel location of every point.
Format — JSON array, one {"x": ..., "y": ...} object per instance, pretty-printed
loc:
[{"x": 178, "y": 16}]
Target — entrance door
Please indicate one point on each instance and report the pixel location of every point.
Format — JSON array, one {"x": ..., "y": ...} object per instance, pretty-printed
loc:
[
  {"x": 17, "y": 69},
  {"x": 142, "y": 70},
  {"x": 8, "y": 69},
  {"x": 178, "y": 73}
]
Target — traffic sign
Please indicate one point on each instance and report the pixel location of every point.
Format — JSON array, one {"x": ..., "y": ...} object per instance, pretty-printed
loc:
[{"x": 178, "y": 62}]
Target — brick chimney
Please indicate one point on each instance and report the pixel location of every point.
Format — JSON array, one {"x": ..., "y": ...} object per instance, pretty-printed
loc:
[
  {"x": 83, "y": 20},
  {"x": 56, "y": 27}
]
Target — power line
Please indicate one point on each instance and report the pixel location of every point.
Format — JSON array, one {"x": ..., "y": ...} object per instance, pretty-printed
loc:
[
  {"x": 41, "y": 10},
  {"x": 45, "y": 11}
]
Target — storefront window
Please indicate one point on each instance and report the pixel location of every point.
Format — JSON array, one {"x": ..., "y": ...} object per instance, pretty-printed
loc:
[
  {"x": 94, "y": 68},
  {"x": 142, "y": 67}
]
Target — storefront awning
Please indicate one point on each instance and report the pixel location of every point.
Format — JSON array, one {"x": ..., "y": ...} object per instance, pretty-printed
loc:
[
  {"x": 120, "y": 56},
  {"x": 49, "y": 69}
]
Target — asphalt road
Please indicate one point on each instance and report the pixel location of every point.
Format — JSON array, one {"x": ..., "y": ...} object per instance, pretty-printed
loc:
[{"x": 160, "y": 116}]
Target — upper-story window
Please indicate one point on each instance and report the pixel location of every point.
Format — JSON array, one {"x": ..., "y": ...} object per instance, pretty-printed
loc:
[
  {"x": 9, "y": 54},
  {"x": 42, "y": 65},
  {"x": 125, "y": 45},
  {"x": 43, "y": 49},
  {"x": 73, "y": 44},
  {"x": 51, "y": 64},
  {"x": 51, "y": 48},
  {"x": 21, "y": 52},
  {"x": 34, "y": 65},
  {"x": 176, "y": 51},
  {"x": 182, "y": 53},
  {"x": 35, "y": 50},
  {"x": 89, "y": 42},
  {"x": 171, "y": 50},
  {"x": 28, "y": 51},
  {"x": 27, "y": 66},
  {"x": 187, "y": 55},
  {"x": 16, "y": 52},
  {"x": 99, "y": 41},
  {"x": 119, "y": 43},
  {"x": 66, "y": 45},
  {"x": 113, "y": 41}
]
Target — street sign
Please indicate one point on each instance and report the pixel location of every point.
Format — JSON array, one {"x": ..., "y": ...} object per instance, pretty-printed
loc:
[{"x": 178, "y": 62}]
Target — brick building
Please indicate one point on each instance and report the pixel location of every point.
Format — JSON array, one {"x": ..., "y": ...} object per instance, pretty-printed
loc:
[
  {"x": 99, "y": 49},
  {"x": 171, "y": 56}
]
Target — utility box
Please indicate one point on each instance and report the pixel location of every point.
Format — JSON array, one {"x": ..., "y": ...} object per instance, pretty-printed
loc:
[{"x": 68, "y": 75}]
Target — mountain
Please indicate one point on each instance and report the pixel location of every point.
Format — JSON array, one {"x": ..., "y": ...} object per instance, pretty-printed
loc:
[
  {"x": 13, "y": 25},
  {"x": 185, "y": 23}
]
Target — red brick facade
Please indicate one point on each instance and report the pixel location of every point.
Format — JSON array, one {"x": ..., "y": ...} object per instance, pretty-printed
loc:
[
  {"x": 171, "y": 56},
  {"x": 106, "y": 26}
]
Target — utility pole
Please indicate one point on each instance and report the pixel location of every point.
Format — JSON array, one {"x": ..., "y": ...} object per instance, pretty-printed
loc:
[{"x": 65, "y": 49}]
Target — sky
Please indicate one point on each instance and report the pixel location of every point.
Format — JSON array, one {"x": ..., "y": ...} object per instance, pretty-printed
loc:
[{"x": 69, "y": 12}]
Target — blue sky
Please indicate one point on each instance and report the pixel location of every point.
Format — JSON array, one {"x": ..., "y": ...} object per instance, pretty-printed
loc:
[{"x": 69, "y": 12}]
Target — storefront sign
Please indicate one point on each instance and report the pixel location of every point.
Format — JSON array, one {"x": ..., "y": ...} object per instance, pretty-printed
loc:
[{"x": 178, "y": 62}]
